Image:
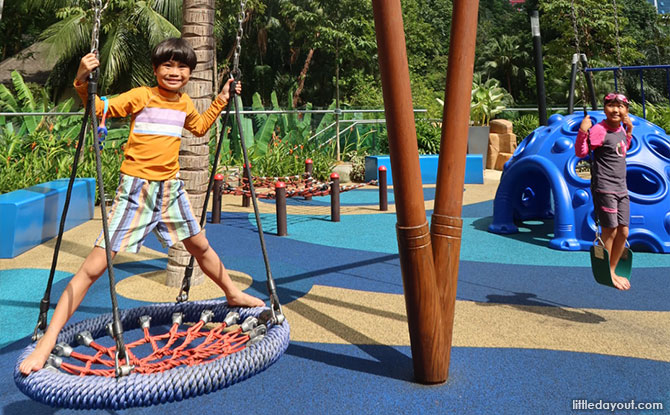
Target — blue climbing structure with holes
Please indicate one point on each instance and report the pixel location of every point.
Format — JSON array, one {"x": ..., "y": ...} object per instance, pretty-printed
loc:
[{"x": 541, "y": 181}]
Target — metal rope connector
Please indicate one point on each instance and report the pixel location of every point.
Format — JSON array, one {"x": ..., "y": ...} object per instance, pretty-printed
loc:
[
  {"x": 85, "y": 338},
  {"x": 63, "y": 350},
  {"x": 121, "y": 370},
  {"x": 257, "y": 334},
  {"x": 177, "y": 318},
  {"x": 231, "y": 318},
  {"x": 206, "y": 316}
]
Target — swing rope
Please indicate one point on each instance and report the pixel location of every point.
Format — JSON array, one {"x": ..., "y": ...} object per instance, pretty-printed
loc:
[
  {"x": 117, "y": 329},
  {"x": 618, "y": 74},
  {"x": 120, "y": 354},
  {"x": 277, "y": 315},
  {"x": 598, "y": 252},
  {"x": 579, "y": 55},
  {"x": 204, "y": 360}
]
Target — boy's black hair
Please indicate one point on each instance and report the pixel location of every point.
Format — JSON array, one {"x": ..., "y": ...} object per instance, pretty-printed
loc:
[{"x": 174, "y": 48}]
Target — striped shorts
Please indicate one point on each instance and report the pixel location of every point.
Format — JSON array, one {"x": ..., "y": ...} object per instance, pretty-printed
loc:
[{"x": 141, "y": 206}]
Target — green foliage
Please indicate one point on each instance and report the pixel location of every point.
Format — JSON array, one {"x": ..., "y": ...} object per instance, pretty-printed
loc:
[
  {"x": 656, "y": 114},
  {"x": 428, "y": 136},
  {"x": 43, "y": 155},
  {"x": 488, "y": 100},
  {"x": 24, "y": 98},
  {"x": 128, "y": 30},
  {"x": 357, "y": 161},
  {"x": 524, "y": 125},
  {"x": 285, "y": 159}
]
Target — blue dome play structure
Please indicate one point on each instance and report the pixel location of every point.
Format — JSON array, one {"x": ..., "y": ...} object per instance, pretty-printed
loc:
[{"x": 540, "y": 182}]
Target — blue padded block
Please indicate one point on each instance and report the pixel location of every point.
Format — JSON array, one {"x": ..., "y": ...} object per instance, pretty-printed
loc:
[
  {"x": 32, "y": 215},
  {"x": 474, "y": 172}
]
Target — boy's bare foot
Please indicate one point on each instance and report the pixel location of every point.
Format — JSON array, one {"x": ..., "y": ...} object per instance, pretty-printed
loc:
[
  {"x": 241, "y": 299},
  {"x": 35, "y": 360},
  {"x": 620, "y": 282}
]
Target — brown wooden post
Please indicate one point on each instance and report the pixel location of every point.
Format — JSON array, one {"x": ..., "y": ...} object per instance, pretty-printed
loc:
[
  {"x": 280, "y": 205},
  {"x": 414, "y": 244},
  {"x": 383, "y": 189},
  {"x": 334, "y": 197},
  {"x": 309, "y": 170},
  {"x": 245, "y": 185},
  {"x": 446, "y": 222},
  {"x": 216, "y": 198}
]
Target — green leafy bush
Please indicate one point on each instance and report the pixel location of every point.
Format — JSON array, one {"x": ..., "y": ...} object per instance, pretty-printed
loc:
[
  {"x": 488, "y": 99},
  {"x": 656, "y": 114},
  {"x": 42, "y": 156},
  {"x": 428, "y": 136},
  {"x": 524, "y": 125}
]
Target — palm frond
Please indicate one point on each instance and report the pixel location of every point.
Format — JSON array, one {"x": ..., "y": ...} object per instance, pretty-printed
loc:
[
  {"x": 23, "y": 93},
  {"x": 32, "y": 5},
  {"x": 169, "y": 9},
  {"x": 69, "y": 36},
  {"x": 115, "y": 53},
  {"x": 157, "y": 27},
  {"x": 7, "y": 100}
]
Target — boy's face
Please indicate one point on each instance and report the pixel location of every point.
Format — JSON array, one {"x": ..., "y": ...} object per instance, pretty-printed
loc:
[{"x": 172, "y": 75}]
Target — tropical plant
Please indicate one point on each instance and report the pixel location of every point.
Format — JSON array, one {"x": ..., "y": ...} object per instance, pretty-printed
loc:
[
  {"x": 524, "y": 125},
  {"x": 506, "y": 58},
  {"x": 23, "y": 98},
  {"x": 44, "y": 155},
  {"x": 656, "y": 114},
  {"x": 129, "y": 29},
  {"x": 428, "y": 135},
  {"x": 488, "y": 100}
]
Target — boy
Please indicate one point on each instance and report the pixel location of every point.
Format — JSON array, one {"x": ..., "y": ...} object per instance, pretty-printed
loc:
[
  {"x": 150, "y": 195},
  {"x": 609, "y": 142}
]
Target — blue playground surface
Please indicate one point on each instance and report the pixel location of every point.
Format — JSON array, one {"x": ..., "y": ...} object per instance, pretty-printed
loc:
[{"x": 515, "y": 281}]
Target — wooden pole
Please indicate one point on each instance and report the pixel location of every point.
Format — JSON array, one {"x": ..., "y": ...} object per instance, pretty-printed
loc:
[
  {"x": 446, "y": 222},
  {"x": 414, "y": 244}
]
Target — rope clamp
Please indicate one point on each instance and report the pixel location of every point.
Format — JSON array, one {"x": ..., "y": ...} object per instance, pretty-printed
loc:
[
  {"x": 85, "y": 338},
  {"x": 257, "y": 334},
  {"x": 206, "y": 316},
  {"x": 63, "y": 350},
  {"x": 177, "y": 318},
  {"x": 231, "y": 318},
  {"x": 145, "y": 321}
]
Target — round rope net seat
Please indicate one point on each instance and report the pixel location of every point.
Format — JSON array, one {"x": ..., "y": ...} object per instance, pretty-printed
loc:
[{"x": 210, "y": 354}]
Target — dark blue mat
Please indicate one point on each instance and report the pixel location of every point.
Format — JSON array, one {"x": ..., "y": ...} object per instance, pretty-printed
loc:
[{"x": 371, "y": 379}]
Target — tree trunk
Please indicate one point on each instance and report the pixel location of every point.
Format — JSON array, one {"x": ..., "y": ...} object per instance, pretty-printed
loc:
[
  {"x": 198, "y": 30},
  {"x": 301, "y": 79}
]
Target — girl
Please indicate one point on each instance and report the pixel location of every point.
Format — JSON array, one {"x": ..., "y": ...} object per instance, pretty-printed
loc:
[{"x": 609, "y": 141}]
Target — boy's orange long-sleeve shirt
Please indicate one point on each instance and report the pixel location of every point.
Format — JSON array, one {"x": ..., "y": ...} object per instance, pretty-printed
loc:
[{"x": 152, "y": 151}]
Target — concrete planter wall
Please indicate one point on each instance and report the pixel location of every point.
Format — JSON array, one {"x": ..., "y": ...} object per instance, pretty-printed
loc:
[{"x": 478, "y": 141}]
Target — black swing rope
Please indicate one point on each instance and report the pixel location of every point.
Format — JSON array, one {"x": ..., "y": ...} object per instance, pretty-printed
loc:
[
  {"x": 277, "y": 315},
  {"x": 628, "y": 254},
  {"x": 583, "y": 91},
  {"x": 115, "y": 329}
]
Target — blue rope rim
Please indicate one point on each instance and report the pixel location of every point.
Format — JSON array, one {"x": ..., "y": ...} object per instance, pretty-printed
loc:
[{"x": 60, "y": 389}]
